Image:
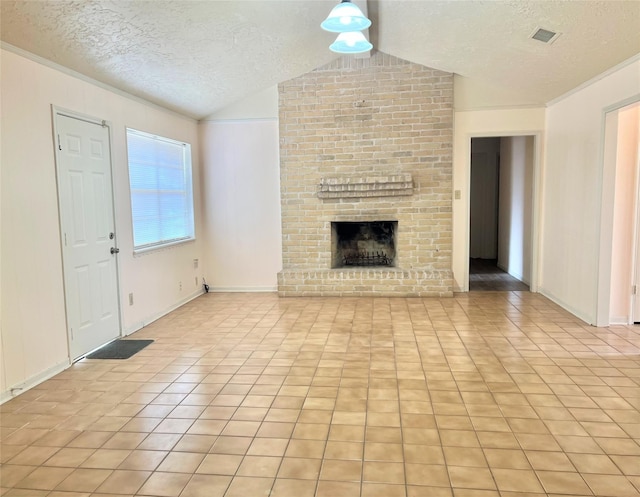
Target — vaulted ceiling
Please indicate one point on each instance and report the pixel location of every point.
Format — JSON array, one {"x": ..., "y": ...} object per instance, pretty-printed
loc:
[{"x": 198, "y": 56}]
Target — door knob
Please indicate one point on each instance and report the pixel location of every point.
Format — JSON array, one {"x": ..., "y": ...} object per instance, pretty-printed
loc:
[{"x": 114, "y": 250}]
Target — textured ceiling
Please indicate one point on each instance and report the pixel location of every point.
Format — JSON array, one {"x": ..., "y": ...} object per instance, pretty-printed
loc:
[{"x": 199, "y": 56}]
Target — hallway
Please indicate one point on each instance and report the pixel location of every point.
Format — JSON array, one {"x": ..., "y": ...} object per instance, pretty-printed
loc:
[{"x": 485, "y": 275}]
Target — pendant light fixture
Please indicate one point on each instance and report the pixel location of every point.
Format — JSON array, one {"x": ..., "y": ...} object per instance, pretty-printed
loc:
[
  {"x": 345, "y": 17},
  {"x": 351, "y": 42},
  {"x": 348, "y": 20}
]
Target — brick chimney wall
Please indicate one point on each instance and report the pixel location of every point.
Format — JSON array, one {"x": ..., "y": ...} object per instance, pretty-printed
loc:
[{"x": 367, "y": 140}]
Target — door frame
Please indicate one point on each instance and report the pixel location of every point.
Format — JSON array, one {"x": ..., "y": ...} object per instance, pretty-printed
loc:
[
  {"x": 59, "y": 111},
  {"x": 606, "y": 187},
  {"x": 536, "y": 204},
  {"x": 635, "y": 262}
]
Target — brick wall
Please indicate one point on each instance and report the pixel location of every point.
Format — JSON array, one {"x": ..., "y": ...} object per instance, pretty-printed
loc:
[{"x": 367, "y": 122}]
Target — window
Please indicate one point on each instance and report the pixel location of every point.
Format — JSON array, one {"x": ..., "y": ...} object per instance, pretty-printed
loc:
[{"x": 161, "y": 190}]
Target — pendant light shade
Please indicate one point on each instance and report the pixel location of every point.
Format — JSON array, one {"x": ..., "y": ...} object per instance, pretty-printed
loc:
[
  {"x": 345, "y": 17},
  {"x": 351, "y": 42}
]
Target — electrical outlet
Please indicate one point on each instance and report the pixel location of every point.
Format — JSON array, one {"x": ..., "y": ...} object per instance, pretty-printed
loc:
[
  {"x": 195, "y": 263},
  {"x": 180, "y": 285},
  {"x": 131, "y": 299}
]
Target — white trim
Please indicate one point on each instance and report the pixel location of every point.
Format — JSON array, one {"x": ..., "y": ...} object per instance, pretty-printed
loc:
[
  {"x": 517, "y": 276},
  {"x": 608, "y": 165},
  {"x": 537, "y": 214},
  {"x": 635, "y": 261},
  {"x": 242, "y": 289},
  {"x": 499, "y": 107},
  {"x": 154, "y": 317},
  {"x": 70, "y": 72},
  {"x": 619, "y": 321},
  {"x": 239, "y": 120},
  {"x": 501, "y": 266},
  {"x": 595, "y": 79},
  {"x": 633, "y": 99},
  {"x": 79, "y": 116},
  {"x": 160, "y": 246},
  {"x": 564, "y": 305},
  {"x": 33, "y": 381}
]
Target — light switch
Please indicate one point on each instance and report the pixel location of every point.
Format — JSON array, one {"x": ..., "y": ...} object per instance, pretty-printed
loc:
[{"x": 456, "y": 194}]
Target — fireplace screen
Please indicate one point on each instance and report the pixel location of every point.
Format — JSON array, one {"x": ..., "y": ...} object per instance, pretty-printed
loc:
[{"x": 363, "y": 243}]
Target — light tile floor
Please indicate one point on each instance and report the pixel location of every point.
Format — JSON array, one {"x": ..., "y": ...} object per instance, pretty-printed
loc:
[{"x": 249, "y": 395}]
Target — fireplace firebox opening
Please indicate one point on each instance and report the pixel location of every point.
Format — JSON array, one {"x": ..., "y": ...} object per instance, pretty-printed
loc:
[{"x": 362, "y": 243}]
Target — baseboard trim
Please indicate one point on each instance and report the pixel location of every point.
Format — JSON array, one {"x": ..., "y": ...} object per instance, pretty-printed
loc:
[
  {"x": 580, "y": 315},
  {"x": 34, "y": 380},
  {"x": 619, "y": 320},
  {"x": 154, "y": 317},
  {"x": 243, "y": 289},
  {"x": 517, "y": 276},
  {"x": 17, "y": 389}
]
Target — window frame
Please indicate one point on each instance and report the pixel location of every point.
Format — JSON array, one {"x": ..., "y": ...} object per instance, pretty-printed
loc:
[{"x": 187, "y": 168}]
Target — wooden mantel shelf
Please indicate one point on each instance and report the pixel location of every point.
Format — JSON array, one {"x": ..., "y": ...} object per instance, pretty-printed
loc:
[{"x": 366, "y": 186}]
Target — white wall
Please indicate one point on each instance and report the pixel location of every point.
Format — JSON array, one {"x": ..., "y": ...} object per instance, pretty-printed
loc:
[
  {"x": 572, "y": 184},
  {"x": 473, "y": 124},
  {"x": 240, "y": 154},
  {"x": 483, "y": 202},
  {"x": 515, "y": 212},
  {"x": 34, "y": 337},
  {"x": 260, "y": 105},
  {"x": 625, "y": 204}
]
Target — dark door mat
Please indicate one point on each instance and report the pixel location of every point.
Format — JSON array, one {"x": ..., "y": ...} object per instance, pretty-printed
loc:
[{"x": 119, "y": 349}]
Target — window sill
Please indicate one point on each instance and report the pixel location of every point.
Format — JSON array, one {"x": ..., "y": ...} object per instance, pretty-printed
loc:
[{"x": 154, "y": 248}]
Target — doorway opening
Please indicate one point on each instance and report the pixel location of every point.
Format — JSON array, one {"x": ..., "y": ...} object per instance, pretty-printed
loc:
[
  {"x": 501, "y": 207},
  {"x": 619, "y": 271}
]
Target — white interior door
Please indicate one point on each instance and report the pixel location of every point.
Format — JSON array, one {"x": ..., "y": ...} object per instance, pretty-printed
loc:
[{"x": 88, "y": 234}]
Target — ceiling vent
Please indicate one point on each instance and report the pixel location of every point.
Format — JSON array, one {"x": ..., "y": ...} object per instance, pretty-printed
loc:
[{"x": 544, "y": 35}]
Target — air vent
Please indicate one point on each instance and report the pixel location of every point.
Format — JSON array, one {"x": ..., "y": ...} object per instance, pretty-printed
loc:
[{"x": 544, "y": 35}]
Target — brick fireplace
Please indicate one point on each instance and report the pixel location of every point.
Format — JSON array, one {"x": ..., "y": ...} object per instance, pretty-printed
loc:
[{"x": 366, "y": 141}]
